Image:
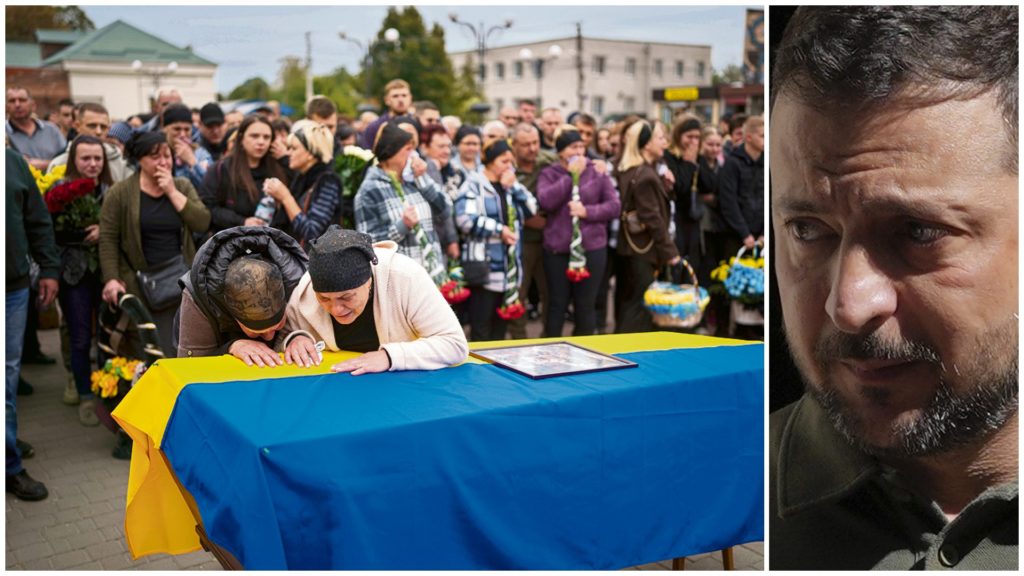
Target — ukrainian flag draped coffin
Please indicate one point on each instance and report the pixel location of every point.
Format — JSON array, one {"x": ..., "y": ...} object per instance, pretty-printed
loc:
[{"x": 476, "y": 467}]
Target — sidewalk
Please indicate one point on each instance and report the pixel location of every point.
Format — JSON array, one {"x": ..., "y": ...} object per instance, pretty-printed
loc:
[{"x": 81, "y": 525}]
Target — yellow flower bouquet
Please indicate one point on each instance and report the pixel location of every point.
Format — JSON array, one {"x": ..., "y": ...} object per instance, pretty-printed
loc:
[
  {"x": 106, "y": 382},
  {"x": 45, "y": 181}
]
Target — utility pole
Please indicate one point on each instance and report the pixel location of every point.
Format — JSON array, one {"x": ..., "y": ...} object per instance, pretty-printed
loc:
[
  {"x": 309, "y": 68},
  {"x": 579, "y": 67}
]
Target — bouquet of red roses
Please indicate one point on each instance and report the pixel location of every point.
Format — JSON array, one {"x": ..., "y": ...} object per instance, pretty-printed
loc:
[
  {"x": 454, "y": 290},
  {"x": 73, "y": 205}
]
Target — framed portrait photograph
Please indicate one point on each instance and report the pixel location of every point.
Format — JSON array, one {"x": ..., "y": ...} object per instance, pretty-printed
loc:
[{"x": 551, "y": 359}]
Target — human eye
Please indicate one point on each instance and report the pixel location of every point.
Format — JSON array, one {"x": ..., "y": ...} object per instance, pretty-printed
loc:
[
  {"x": 807, "y": 230},
  {"x": 922, "y": 233}
]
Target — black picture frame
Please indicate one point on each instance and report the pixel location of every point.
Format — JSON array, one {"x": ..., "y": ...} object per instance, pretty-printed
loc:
[{"x": 551, "y": 359}]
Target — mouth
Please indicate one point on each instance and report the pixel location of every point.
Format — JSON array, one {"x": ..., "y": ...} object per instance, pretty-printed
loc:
[{"x": 880, "y": 371}]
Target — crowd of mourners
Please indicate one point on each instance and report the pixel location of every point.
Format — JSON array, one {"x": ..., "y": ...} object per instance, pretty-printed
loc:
[{"x": 500, "y": 212}]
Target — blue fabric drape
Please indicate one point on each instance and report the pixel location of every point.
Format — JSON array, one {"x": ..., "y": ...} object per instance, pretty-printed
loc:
[{"x": 477, "y": 467}]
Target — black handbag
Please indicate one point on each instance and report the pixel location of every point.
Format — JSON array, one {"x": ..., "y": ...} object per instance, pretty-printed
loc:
[
  {"x": 475, "y": 273},
  {"x": 159, "y": 284}
]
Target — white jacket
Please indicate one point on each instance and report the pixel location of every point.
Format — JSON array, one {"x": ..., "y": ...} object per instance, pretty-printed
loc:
[{"x": 414, "y": 323}]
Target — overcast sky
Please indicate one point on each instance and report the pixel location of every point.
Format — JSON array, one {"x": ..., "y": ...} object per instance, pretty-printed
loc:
[{"x": 247, "y": 41}]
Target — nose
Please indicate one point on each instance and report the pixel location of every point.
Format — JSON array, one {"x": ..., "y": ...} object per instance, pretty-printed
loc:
[{"x": 862, "y": 296}]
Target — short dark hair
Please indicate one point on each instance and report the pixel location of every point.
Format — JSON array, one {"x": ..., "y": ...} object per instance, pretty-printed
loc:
[
  {"x": 65, "y": 102},
  {"x": 867, "y": 55},
  {"x": 93, "y": 107},
  {"x": 321, "y": 107},
  {"x": 422, "y": 105},
  {"x": 584, "y": 119},
  {"x": 527, "y": 101},
  {"x": 736, "y": 122}
]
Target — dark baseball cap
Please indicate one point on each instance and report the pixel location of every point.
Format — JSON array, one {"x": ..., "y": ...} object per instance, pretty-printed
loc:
[{"x": 211, "y": 114}]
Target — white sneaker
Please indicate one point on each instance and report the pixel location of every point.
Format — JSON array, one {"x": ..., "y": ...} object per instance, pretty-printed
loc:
[
  {"x": 70, "y": 394},
  {"x": 87, "y": 413}
]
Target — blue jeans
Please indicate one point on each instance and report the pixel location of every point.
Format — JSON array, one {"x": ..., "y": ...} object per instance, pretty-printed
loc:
[
  {"x": 80, "y": 304},
  {"x": 17, "y": 316}
]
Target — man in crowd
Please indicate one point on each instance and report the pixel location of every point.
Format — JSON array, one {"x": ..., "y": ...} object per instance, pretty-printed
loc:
[
  {"x": 550, "y": 120},
  {"x": 66, "y": 118},
  {"x": 189, "y": 162},
  {"x": 398, "y": 99},
  {"x": 530, "y": 160},
  {"x": 528, "y": 111},
  {"x": 29, "y": 232},
  {"x": 92, "y": 119},
  {"x": 365, "y": 119},
  {"x": 509, "y": 116},
  {"x": 36, "y": 140},
  {"x": 897, "y": 270},
  {"x": 321, "y": 109},
  {"x": 741, "y": 187},
  {"x": 233, "y": 119},
  {"x": 735, "y": 133},
  {"x": 427, "y": 113},
  {"x": 165, "y": 97},
  {"x": 211, "y": 130},
  {"x": 494, "y": 130}
]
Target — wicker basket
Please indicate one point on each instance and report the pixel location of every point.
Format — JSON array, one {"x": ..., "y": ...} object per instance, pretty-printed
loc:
[{"x": 677, "y": 305}]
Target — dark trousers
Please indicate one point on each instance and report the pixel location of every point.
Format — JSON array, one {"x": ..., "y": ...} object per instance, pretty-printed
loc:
[
  {"x": 30, "y": 346},
  {"x": 631, "y": 314},
  {"x": 602, "y": 290},
  {"x": 582, "y": 294},
  {"x": 80, "y": 304},
  {"x": 484, "y": 322},
  {"x": 533, "y": 271}
]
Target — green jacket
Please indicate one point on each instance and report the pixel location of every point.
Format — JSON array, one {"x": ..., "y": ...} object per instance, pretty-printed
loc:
[
  {"x": 833, "y": 507},
  {"x": 121, "y": 252},
  {"x": 29, "y": 227}
]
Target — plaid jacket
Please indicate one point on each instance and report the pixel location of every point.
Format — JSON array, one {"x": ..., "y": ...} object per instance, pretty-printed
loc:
[
  {"x": 379, "y": 212},
  {"x": 479, "y": 217}
]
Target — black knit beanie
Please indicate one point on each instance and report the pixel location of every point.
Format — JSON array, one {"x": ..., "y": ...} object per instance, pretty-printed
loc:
[
  {"x": 177, "y": 113},
  {"x": 340, "y": 259},
  {"x": 464, "y": 131}
]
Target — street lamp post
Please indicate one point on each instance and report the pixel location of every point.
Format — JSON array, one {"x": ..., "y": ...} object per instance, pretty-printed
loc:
[
  {"x": 554, "y": 51},
  {"x": 390, "y": 35},
  {"x": 480, "y": 34},
  {"x": 155, "y": 71}
]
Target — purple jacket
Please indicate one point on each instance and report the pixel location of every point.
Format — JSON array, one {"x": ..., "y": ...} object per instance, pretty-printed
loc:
[{"x": 554, "y": 191}]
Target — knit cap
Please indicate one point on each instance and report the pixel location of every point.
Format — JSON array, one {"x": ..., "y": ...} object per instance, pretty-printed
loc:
[{"x": 340, "y": 260}]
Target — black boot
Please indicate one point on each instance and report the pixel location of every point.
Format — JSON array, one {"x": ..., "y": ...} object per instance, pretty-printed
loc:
[
  {"x": 24, "y": 487},
  {"x": 123, "y": 449}
]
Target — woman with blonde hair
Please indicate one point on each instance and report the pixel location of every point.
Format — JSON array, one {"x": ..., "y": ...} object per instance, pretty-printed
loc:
[
  {"x": 312, "y": 201},
  {"x": 644, "y": 238}
]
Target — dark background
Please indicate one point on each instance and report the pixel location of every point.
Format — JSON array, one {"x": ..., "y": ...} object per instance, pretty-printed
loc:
[{"x": 784, "y": 383}]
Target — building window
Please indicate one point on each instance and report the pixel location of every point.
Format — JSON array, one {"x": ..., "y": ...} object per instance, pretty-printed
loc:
[
  {"x": 597, "y": 105},
  {"x": 630, "y": 103},
  {"x": 700, "y": 69},
  {"x": 517, "y": 70},
  {"x": 679, "y": 68},
  {"x": 657, "y": 67},
  {"x": 499, "y": 70},
  {"x": 631, "y": 66},
  {"x": 599, "y": 64}
]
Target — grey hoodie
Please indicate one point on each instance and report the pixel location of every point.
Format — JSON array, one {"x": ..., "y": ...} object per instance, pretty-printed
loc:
[{"x": 119, "y": 168}]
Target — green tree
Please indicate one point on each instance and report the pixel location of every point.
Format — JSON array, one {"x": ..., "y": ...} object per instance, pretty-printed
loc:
[
  {"x": 342, "y": 88},
  {"x": 292, "y": 84},
  {"x": 253, "y": 88},
  {"x": 732, "y": 73},
  {"x": 420, "y": 59},
  {"x": 23, "y": 21}
]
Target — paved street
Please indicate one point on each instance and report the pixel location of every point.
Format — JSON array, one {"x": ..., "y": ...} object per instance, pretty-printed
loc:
[{"x": 80, "y": 525}]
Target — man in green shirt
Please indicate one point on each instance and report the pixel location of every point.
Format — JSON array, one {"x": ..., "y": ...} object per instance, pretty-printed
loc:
[
  {"x": 896, "y": 256},
  {"x": 530, "y": 160}
]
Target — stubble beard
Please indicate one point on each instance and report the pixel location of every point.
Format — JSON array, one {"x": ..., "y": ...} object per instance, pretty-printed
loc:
[{"x": 971, "y": 401}]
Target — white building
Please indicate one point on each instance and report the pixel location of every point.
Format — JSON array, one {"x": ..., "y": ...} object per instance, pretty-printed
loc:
[
  {"x": 618, "y": 76},
  {"x": 101, "y": 67}
]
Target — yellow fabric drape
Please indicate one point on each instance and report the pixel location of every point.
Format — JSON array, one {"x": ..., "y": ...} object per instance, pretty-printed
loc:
[{"x": 157, "y": 516}]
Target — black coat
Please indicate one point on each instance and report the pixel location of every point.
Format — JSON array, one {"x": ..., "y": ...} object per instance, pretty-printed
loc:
[
  {"x": 205, "y": 281},
  {"x": 741, "y": 193}
]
